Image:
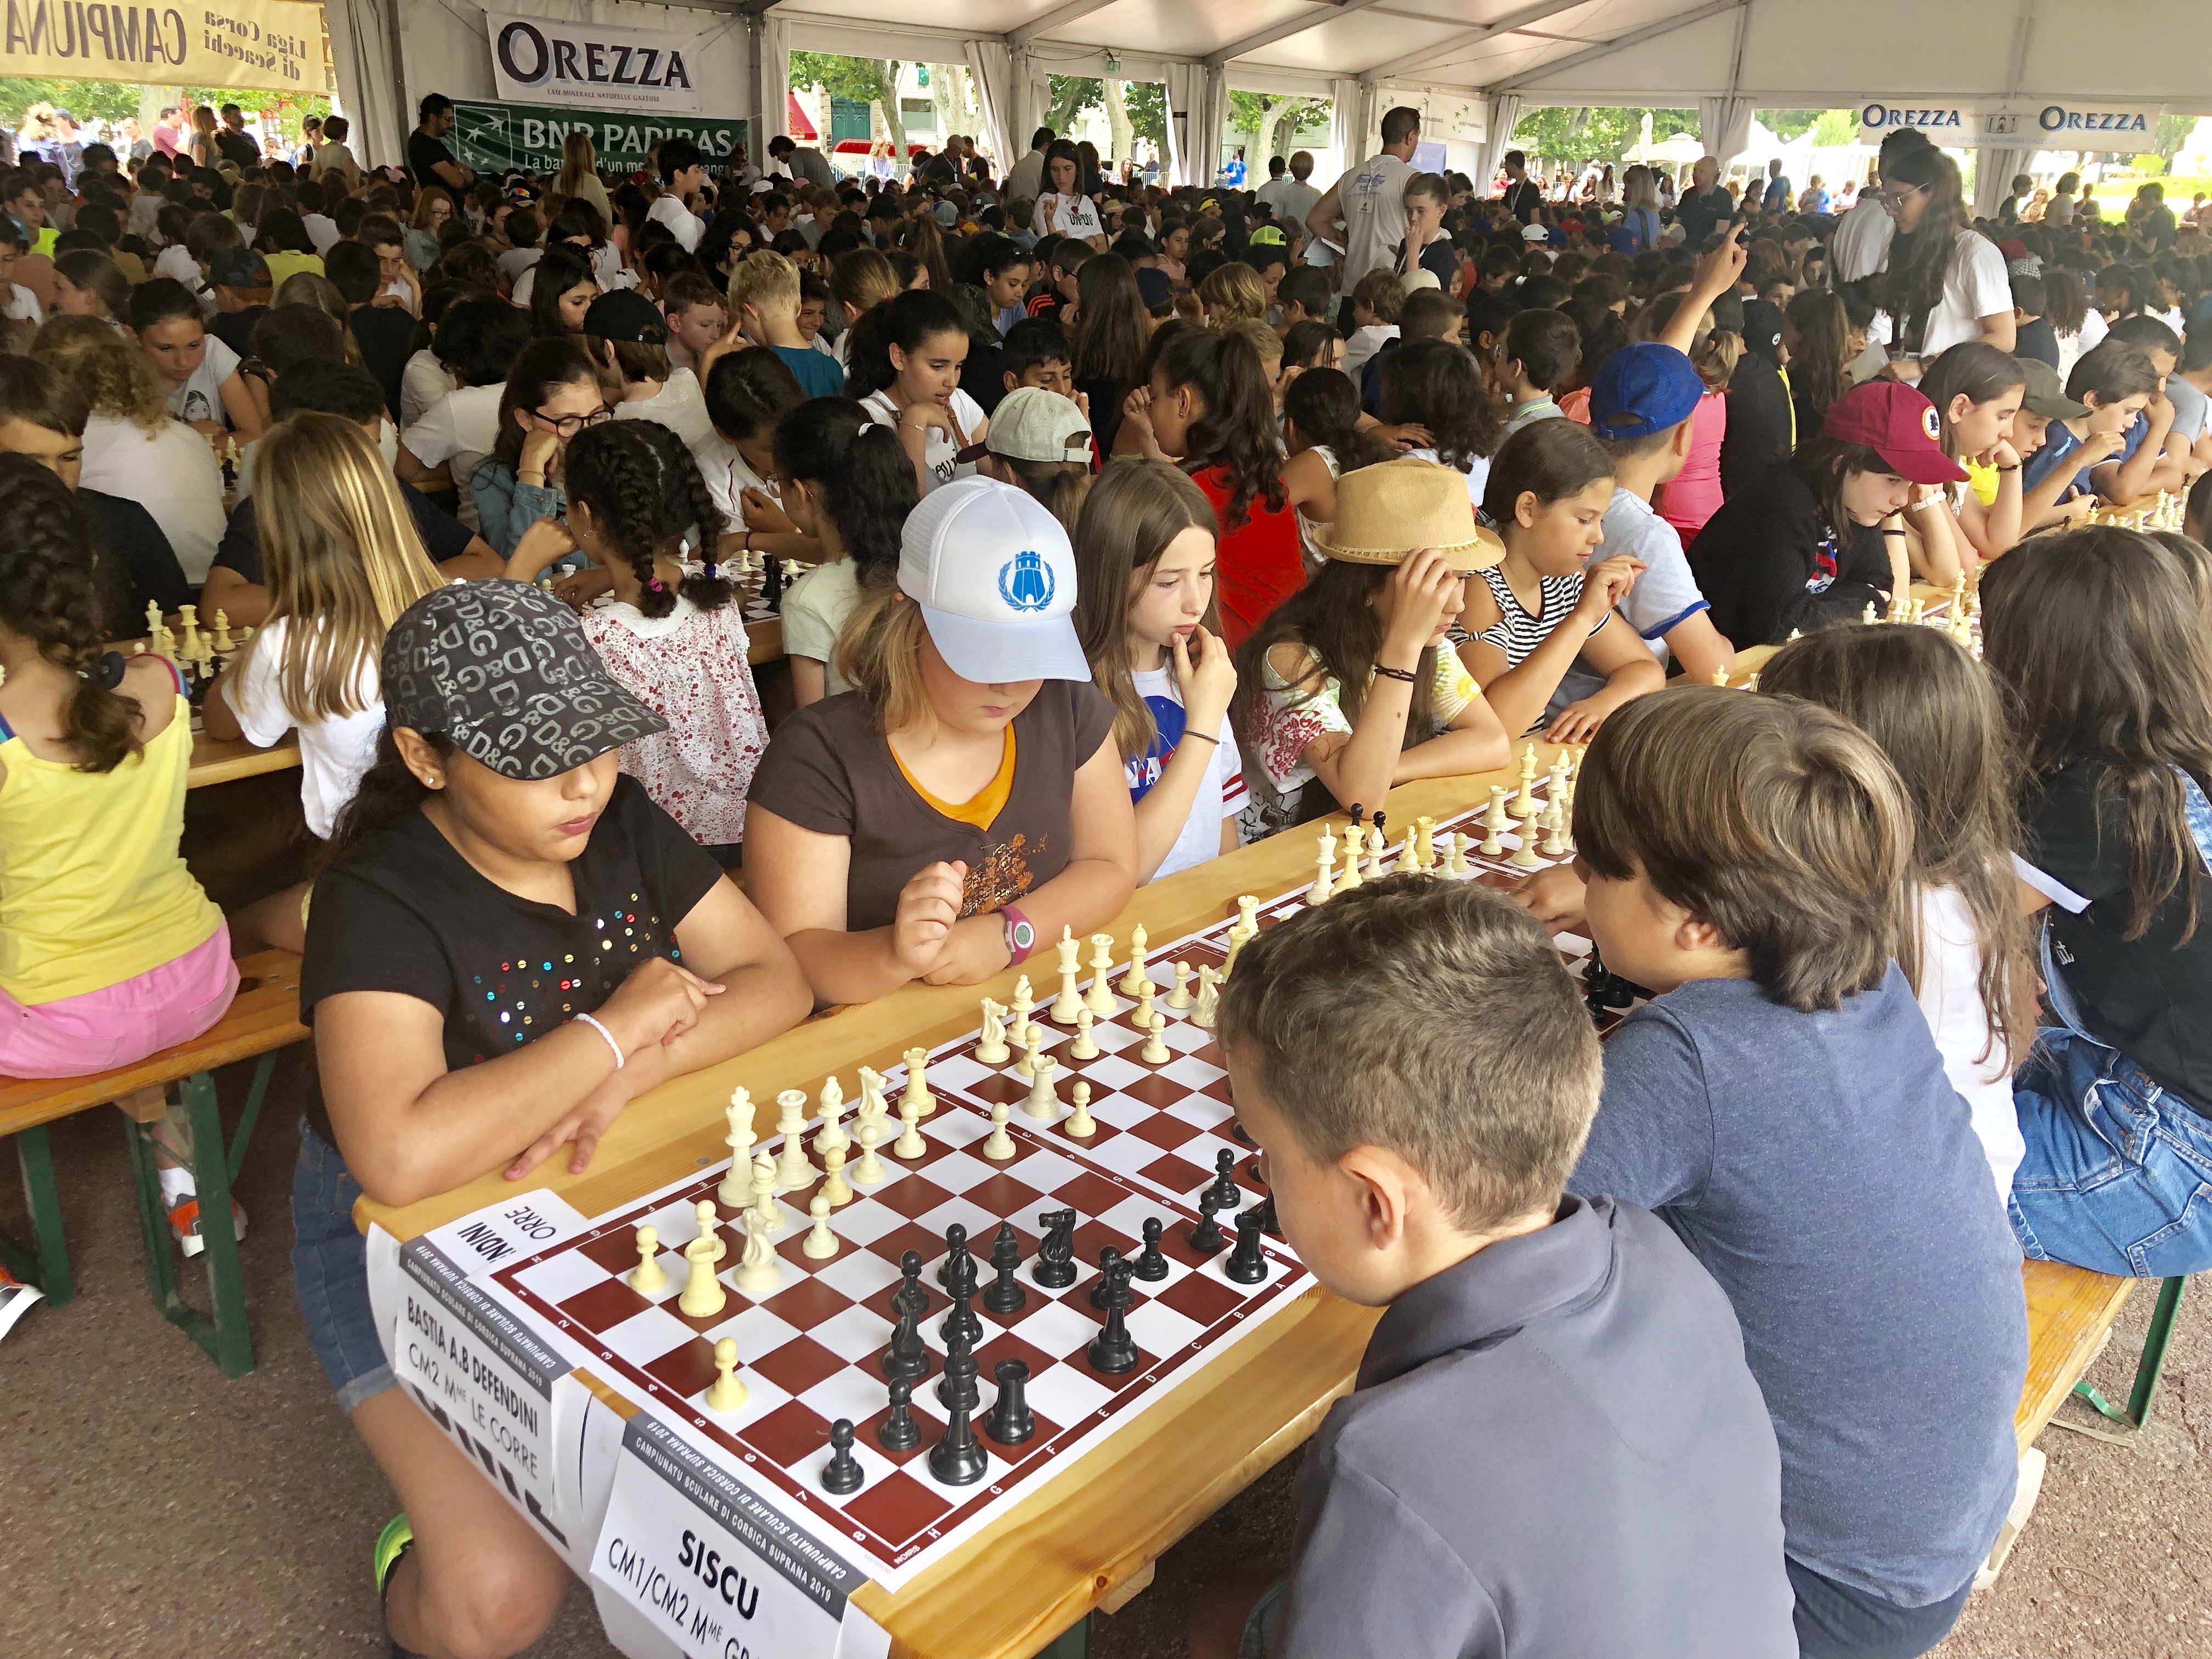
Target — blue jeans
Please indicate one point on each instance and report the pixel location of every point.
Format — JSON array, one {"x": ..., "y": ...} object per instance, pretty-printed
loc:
[
  {"x": 1835, "y": 1621},
  {"x": 330, "y": 1273},
  {"x": 2118, "y": 1173}
]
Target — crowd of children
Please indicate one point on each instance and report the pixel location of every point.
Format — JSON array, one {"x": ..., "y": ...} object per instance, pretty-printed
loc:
[{"x": 1130, "y": 532}]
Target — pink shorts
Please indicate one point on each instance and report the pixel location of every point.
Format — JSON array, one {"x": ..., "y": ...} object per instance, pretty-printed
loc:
[{"x": 101, "y": 1030}]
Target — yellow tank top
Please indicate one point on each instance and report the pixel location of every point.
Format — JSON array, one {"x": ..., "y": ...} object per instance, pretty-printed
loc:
[
  {"x": 1983, "y": 481},
  {"x": 92, "y": 889}
]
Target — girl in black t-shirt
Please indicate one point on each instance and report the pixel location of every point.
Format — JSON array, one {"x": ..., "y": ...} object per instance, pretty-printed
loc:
[
  {"x": 2100, "y": 637},
  {"x": 511, "y": 944}
]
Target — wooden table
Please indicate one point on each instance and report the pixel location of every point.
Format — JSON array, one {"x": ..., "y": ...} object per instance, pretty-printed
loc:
[
  {"x": 217, "y": 762},
  {"x": 1088, "y": 1538}
]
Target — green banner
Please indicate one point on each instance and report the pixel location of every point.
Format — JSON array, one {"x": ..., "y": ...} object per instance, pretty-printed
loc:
[{"x": 492, "y": 137}]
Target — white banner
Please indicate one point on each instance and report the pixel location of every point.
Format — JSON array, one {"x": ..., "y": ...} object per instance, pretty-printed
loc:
[
  {"x": 2073, "y": 123},
  {"x": 544, "y": 60}
]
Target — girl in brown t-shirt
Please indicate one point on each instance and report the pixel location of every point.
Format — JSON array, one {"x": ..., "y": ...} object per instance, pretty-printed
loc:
[{"x": 908, "y": 829}]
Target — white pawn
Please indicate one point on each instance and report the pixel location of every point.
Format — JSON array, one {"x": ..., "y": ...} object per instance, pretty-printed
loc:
[
  {"x": 1493, "y": 837},
  {"x": 735, "y": 1190},
  {"x": 870, "y": 1169},
  {"x": 1455, "y": 863},
  {"x": 793, "y": 1170},
  {"x": 764, "y": 1205},
  {"x": 991, "y": 1046},
  {"x": 759, "y": 1271},
  {"x": 832, "y": 1136},
  {"x": 1033, "y": 1039},
  {"x": 1324, "y": 878},
  {"x": 1555, "y": 828},
  {"x": 1141, "y": 1017},
  {"x": 1070, "y": 1000},
  {"x": 833, "y": 1178},
  {"x": 998, "y": 1146},
  {"x": 703, "y": 1296},
  {"x": 1155, "y": 1051},
  {"x": 726, "y": 1394},
  {"x": 1135, "y": 981},
  {"x": 1180, "y": 996},
  {"x": 1085, "y": 1047},
  {"x": 910, "y": 1143},
  {"x": 707, "y": 1223},
  {"x": 1100, "y": 998},
  {"x": 820, "y": 1244},
  {"x": 917, "y": 1084},
  {"x": 1524, "y": 856},
  {"x": 1209, "y": 999},
  {"x": 1043, "y": 1103},
  {"x": 1079, "y": 1122},
  {"x": 649, "y": 1275}
]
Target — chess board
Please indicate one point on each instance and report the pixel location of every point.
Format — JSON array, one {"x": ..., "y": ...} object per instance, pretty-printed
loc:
[{"x": 751, "y": 586}]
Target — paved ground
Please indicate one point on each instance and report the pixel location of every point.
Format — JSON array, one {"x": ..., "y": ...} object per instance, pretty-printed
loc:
[{"x": 153, "y": 1509}]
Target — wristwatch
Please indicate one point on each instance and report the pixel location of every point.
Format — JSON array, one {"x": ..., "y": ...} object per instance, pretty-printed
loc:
[{"x": 1021, "y": 934}]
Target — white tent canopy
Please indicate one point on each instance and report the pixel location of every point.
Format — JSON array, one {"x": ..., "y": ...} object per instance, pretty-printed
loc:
[{"x": 1471, "y": 66}]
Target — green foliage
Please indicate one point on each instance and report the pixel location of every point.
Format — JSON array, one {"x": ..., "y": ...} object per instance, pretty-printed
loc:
[
  {"x": 88, "y": 101},
  {"x": 2174, "y": 132},
  {"x": 1071, "y": 94},
  {"x": 1560, "y": 134},
  {"x": 1147, "y": 104},
  {"x": 839, "y": 76},
  {"x": 1787, "y": 124},
  {"x": 1836, "y": 127}
]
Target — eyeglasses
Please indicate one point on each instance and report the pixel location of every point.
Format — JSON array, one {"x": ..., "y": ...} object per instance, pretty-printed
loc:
[{"x": 567, "y": 426}]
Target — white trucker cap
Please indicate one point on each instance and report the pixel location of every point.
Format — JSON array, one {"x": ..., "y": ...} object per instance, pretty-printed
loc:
[{"x": 994, "y": 576}]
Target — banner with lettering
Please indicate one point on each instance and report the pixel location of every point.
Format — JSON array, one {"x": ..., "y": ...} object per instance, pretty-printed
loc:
[
  {"x": 492, "y": 137},
  {"x": 605, "y": 65},
  {"x": 275, "y": 44},
  {"x": 2068, "y": 124}
]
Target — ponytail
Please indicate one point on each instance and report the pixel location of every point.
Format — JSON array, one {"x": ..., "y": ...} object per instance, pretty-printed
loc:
[
  {"x": 644, "y": 491},
  {"x": 867, "y": 480},
  {"x": 907, "y": 322},
  {"x": 388, "y": 793},
  {"x": 49, "y": 593},
  {"x": 1238, "y": 432}
]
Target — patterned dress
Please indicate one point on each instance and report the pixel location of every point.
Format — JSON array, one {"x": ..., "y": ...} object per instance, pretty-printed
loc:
[{"x": 1293, "y": 718}]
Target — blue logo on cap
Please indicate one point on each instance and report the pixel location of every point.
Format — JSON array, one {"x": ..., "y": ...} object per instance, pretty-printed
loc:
[{"x": 1025, "y": 581}]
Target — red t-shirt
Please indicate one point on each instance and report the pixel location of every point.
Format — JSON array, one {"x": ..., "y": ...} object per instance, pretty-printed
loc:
[{"x": 1256, "y": 565}]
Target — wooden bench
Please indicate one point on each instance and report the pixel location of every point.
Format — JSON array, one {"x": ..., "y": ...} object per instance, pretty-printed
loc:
[{"x": 264, "y": 1018}]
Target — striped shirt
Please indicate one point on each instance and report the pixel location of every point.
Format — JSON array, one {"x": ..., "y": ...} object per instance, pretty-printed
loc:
[{"x": 1515, "y": 632}]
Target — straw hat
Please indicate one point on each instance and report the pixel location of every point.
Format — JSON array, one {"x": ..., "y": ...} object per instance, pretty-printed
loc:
[{"x": 1386, "y": 511}]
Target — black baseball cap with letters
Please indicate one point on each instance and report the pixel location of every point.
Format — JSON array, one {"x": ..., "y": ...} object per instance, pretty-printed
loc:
[{"x": 505, "y": 671}]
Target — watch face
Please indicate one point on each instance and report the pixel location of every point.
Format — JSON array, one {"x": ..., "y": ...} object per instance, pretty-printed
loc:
[{"x": 1024, "y": 936}]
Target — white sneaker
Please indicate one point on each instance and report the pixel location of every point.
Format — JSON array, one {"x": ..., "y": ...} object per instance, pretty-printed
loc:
[{"x": 15, "y": 1300}]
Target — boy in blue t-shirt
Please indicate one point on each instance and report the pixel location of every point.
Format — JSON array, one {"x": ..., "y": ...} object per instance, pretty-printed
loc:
[
  {"x": 764, "y": 295},
  {"x": 1781, "y": 1106},
  {"x": 2116, "y": 383}
]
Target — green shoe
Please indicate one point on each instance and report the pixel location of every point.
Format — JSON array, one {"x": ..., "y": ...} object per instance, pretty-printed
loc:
[{"x": 394, "y": 1542}]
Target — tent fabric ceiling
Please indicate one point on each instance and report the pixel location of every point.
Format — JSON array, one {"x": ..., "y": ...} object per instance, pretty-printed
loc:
[{"x": 1783, "y": 53}]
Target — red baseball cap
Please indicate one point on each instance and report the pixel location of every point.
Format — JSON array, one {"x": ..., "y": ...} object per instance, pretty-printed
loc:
[{"x": 1899, "y": 424}]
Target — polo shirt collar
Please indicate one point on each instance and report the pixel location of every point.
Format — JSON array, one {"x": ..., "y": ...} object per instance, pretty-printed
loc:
[{"x": 1494, "y": 1293}]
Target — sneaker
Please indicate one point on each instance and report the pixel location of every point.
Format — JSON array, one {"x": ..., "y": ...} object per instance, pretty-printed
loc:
[
  {"x": 394, "y": 1542},
  {"x": 184, "y": 1221},
  {"x": 15, "y": 1300}
]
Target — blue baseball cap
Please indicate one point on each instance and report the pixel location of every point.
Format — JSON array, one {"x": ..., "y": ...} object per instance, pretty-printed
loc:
[{"x": 1643, "y": 389}]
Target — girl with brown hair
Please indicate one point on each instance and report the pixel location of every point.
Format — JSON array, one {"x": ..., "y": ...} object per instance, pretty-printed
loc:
[{"x": 1947, "y": 281}]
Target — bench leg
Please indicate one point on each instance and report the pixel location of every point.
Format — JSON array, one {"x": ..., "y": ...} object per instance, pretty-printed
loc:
[
  {"x": 1073, "y": 1643},
  {"x": 45, "y": 1263},
  {"x": 2155, "y": 1342},
  {"x": 223, "y": 1338}
]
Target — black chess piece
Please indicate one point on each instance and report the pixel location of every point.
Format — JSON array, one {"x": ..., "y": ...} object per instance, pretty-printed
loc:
[
  {"x": 1114, "y": 1350},
  {"x": 1107, "y": 1257},
  {"x": 908, "y": 1356},
  {"x": 771, "y": 581},
  {"x": 1357, "y": 813},
  {"x": 1236, "y": 1127},
  {"x": 956, "y": 1387},
  {"x": 1598, "y": 982},
  {"x": 961, "y": 1324},
  {"x": 1226, "y": 1194},
  {"x": 1247, "y": 1263},
  {"x": 899, "y": 1431},
  {"x": 1054, "y": 1267},
  {"x": 1266, "y": 1211},
  {"x": 1379, "y": 817},
  {"x": 1151, "y": 1265},
  {"x": 842, "y": 1474},
  {"x": 1006, "y": 1295},
  {"x": 910, "y": 1297},
  {"x": 958, "y": 1459},
  {"x": 957, "y": 1263},
  {"x": 1012, "y": 1421},
  {"x": 1206, "y": 1238}
]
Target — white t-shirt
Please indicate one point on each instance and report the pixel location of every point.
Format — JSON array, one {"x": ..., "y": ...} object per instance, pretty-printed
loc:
[
  {"x": 176, "y": 262},
  {"x": 322, "y": 231},
  {"x": 516, "y": 260},
  {"x": 1478, "y": 476},
  {"x": 1364, "y": 342},
  {"x": 938, "y": 454},
  {"x": 172, "y": 474},
  {"x": 421, "y": 383},
  {"x": 462, "y": 428},
  {"x": 1067, "y": 215},
  {"x": 1975, "y": 285},
  {"x": 1373, "y": 203},
  {"x": 1665, "y": 596},
  {"x": 679, "y": 405},
  {"x": 1859, "y": 245},
  {"x": 334, "y": 754},
  {"x": 200, "y": 398},
  {"x": 1220, "y": 794},
  {"x": 1951, "y": 997},
  {"x": 728, "y": 476},
  {"x": 688, "y": 226}
]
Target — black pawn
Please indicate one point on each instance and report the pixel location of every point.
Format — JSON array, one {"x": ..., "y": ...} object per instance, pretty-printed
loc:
[
  {"x": 1236, "y": 1127},
  {"x": 910, "y": 1297},
  {"x": 1226, "y": 1194},
  {"x": 1114, "y": 1350},
  {"x": 842, "y": 1474},
  {"x": 1357, "y": 813},
  {"x": 771, "y": 581},
  {"x": 1266, "y": 1211},
  {"x": 1206, "y": 1238},
  {"x": 1108, "y": 1258},
  {"x": 1151, "y": 1265},
  {"x": 1012, "y": 1421},
  {"x": 956, "y": 1390},
  {"x": 961, "y": 1325},
  {"x": 907, "y": 1356},
  {"x": 1247, "y": 1265},
  {"x": 1006, "y": 1294},
  {"x": 958, "y": 1459},
  {"x": 957, "y": 1263},
  {"x": 899, "y": 1431}
]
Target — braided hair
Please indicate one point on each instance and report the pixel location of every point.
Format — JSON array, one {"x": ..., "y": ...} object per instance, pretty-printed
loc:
[
  {"x": 644, "y": 491},
  {"x": 48, "y": 594}
]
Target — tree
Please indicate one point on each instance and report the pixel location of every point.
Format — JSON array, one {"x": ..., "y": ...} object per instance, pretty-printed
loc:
[
  {"x": 1270, "y": 119},
  {"x": 1787, "y": 124},
  {"x": 1835, "y": 129},
  {"x": 1564, "y": 135},
  {"x": 2174, "y": 132},
  {"x": 870, "y": 79},
  {"x": 1117, "y": 122},
  {"x": 950, "y": 92},
  {"x": 1147, "y": 104},
  {"x": 1071, "y": 94},
  {"x": 88, "y": 101}
]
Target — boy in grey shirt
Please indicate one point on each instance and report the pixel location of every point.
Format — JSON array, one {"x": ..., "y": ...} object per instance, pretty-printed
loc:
[{"x": 1554, "y": 1446}]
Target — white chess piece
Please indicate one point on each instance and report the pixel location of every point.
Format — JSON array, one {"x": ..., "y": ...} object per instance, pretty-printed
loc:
[
  {"x": 1523, "y": 805},
  {"x": 998, "y": 1146},
  {"x": 1524, "y": 856},
  {"x": 1100, "y": 998},
  {"x": 763, "y": 1203},
  {"x": 1209, "y": 999},
  {"x": 1025, "y": 1004},
  {"x": 1136, "y": 979},
  {"x": 1155, "y": 1051},
  {"x": 1042, "y": 1103},
  {"x": 870, "y": 1169},
  {"x": 708, "y": 1222},
  {"x": 1424, "y": 840},
  {"x": 1493, "y": 837},
  {"x": 703, "y": 1296},
  {"x": 872, "y": 1107},
  {"x": 831, "y": 1137},
  {"x": 1141, "y": 1017},
  {"x": 1180, "y": 996},
  {"x": 991, "y": 1046},
  {"x": 1079, "y": 1123},
  {"x": 649, "y": 1275},
  {"x": 917, "y": 1084},
  {"x": 759, "y": 1271},
  {"x": 793, "y": 1170},
  {"x": 1070, "y": 1000},
  {"x": 1555, "y": 828},
  {"x": 910, "y": 1143},
  {"x": 820, "y": 1244},
  {"x": 1376, "y": 847},
  {"x": 833, "y": 1178},
  {"x": 1325, "y": 879},
  {"x": 735, "y": 1190},
  {"x": 726, "y": 1393},
  {"x": 1354, "y": 843},
  {"x": 1031, "y": 1058},
  {"x": 1085, "y": 1047},
  {"x": 1455, "y": 864}
]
